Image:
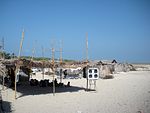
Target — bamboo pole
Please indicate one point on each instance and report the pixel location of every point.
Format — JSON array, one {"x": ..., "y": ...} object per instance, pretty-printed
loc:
[
  {"x": 32, "y": 58},
  {"x": 21, "y": 43},
  {"x": 3, "y": 83},
  {"x": 3, "y": 56},
  {"x": 17, "y": 65},
  {"x": 86, "y": 47},
  {"x": 53, "y": 68},
  {"x": 60, "y": 61},
  {"x": 43, "y": 63},
  {"x": 87, "y": 84},
  {"x": 3, "y": 78}
]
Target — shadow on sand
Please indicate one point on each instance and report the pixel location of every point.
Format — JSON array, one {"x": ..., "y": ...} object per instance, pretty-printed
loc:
[
  {"x": 6, "y": 107},
  {"x": 26, "y": 90}
]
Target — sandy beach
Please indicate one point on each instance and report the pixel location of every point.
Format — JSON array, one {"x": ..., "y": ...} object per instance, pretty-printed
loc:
[
  {"x": 49, "y": 49},
  {"x": 125, "y": 93}
]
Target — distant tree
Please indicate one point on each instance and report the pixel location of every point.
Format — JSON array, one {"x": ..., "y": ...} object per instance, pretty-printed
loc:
[
  {"x": 7, "y": 55},
  {"x": 13, "y": 54}
]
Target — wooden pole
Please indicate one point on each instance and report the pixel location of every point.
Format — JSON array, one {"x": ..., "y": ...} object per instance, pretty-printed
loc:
[
  {"x": 3, "y": 82},
  {"x": 87, "y": 60},
  {"x": 15, "y": 81},
  {"x": 43, "y": 63},
  {"x": 21, "y": 43},
  {"x": 86, "y": 47},
  {"x": 60, "y": 61},
  {"x": 33, "y": 52},
  {"x": 17, "y": 65},
  {"x": 53, "y": 68},
  {"x": 32, "y": 58},
  {"x": 3, "y": 59},
  {"x": 3, "y": 49},
  {"x": 3, "y": 79}
]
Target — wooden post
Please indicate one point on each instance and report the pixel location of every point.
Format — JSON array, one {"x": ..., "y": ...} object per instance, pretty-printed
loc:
[
  {"x": 53, "y": 68},
  {"x": 87, "y": 84},
  {"x": 21, "y": 43},
  {"x": 18, "y": 66},
  {"x": 43, "y": 63},
  {"x": 3, "y": 82},
  {"x": 60, "y": 61},
  {"x": 3, "y": 79},
  {"x": 15, "y": 81},
  {"x": 61, "y": 75},
  {"x": 87, "y": 47},
  {"x": 3, "y": 56}
]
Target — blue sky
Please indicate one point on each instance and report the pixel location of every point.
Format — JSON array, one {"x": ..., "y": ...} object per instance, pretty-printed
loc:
[{"x": 117, "y": 29}]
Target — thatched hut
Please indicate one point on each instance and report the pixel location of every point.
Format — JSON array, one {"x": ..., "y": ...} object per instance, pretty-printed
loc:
[
  {"x": 106, "y": 62},
  {"x": 123, "y": 67},
  {"x": 106, "y": 71}
]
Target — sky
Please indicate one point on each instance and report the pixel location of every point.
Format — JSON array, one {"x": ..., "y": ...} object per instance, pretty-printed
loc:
[{"x": 117, "y": 29}]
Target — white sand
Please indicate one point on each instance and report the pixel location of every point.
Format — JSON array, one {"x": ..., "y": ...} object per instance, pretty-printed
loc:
[{"x": 126, "y": 93}]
